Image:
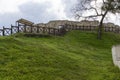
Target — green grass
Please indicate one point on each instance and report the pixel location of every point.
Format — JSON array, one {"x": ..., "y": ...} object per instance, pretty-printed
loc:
[{"x": 75, "y": 56}]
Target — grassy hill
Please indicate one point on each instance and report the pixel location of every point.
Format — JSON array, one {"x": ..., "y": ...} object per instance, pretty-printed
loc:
[{"x": 75, "y": 56}]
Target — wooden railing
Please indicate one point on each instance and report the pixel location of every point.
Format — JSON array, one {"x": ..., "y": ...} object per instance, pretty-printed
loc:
[{"x": 31, "y": 29}]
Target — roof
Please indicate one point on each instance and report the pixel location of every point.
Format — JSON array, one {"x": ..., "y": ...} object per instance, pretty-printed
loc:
[
  {"x": 24, "y": 21},
  {"x": 58, "y": 21}
]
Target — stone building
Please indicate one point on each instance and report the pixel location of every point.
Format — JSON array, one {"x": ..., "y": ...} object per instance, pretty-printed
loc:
[
  {"x": 59, "y": 23},
  {"x": 41, "y": 24},
  {"x": 109, "y": 24},
  {"x": 56, "y": 23}
]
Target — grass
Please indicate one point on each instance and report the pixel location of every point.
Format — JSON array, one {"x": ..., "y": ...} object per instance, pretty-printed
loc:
[{"x": 75, "y": 56}]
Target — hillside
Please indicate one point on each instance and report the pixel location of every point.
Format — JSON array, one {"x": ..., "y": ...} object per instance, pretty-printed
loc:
[{"x": 75, "y": 56}]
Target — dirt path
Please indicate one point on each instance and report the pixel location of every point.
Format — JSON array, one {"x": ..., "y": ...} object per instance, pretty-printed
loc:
[{"x": 116, "y": 55}]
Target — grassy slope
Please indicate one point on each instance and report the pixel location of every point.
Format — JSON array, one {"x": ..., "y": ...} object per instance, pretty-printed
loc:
[{"x": 76, "y": 56}]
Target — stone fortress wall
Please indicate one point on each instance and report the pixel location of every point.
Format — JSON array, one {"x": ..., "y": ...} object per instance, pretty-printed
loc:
[{"x": 58, "y": 23}]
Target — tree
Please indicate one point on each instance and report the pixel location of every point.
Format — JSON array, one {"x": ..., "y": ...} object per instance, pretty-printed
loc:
[{"x": 100, "y": 7}]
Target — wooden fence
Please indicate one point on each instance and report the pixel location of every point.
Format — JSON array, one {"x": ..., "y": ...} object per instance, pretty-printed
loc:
[
  {"x": 52, "y": 31},
  {"x": 31, "y": 29}
]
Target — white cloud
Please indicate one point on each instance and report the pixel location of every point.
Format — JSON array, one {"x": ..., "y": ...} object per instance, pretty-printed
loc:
[
  {"x": 35, "y": 10},
  {"x": 58, "y": 9},
  {"x": 10, "y": 5},
  {"x": 13, "y": 6}
]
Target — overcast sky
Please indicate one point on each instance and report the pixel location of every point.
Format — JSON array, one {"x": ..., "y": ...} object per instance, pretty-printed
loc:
[
  {"x": 34, "y": 10},
  {"x": 37, "y": 11}
]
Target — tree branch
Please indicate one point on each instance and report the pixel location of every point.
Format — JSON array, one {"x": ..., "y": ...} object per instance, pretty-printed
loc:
[
  {"x": 88, "y": 17},
  {"x": 103, "y": 1},
  {"x": 94, "y": 9}
]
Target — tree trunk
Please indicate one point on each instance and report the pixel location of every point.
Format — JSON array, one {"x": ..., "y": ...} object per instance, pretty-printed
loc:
[
  {"x": 99, "y": 31},
  {"x": 101, "y": 25}
]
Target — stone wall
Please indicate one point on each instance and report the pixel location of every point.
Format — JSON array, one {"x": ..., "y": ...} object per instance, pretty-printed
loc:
[{"x": 58, "y": 23}]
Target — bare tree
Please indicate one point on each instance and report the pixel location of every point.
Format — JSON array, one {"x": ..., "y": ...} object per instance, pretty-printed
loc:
[{"x": 100, "y": 8}]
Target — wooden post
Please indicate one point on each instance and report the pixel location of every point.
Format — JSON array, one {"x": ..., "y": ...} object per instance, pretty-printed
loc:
[
  {"x": 37, "y": 29},
  {"x": 118, "y": 29},
  {"x": 108, "y": 29},
  {"x": 11, "y": 29},
  {"x": 18, "y": 29},
  {"x": 43, "y": 29},
  {"x": 90, "y": 28},
  {"x": 66, "y": 25},
  {"x": 70, "y": 27},
  {"x": 76, "y": 26},
  {"x": 3, "y": 31},
  {"x": 31, "y": 29},
  {"x": 58, "y": 31},
  {"x": 94, "y": 28},
  {"x": 79, "y": 28},
  {"x": 83, "y": 27},
  {"x": 25, "y": 28},
  {"x": 112, "y": 29},
  {"x": 53, "y": 31},
  {"x": 73, "y": 27},
  {"x": 48, "y": 30},
  {"x": 87, "y": 28}
]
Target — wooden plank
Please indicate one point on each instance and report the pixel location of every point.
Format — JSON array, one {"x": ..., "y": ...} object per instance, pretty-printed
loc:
[
  {"x": 1, "y": 29},
  {"x": 7, "y": 28},
  {"x": 24, "y": 21},
  {"x": 11, "y": 29}
]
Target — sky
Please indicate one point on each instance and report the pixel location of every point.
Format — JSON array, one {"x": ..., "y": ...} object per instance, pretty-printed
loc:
[{"x": 38, "y": 11}]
